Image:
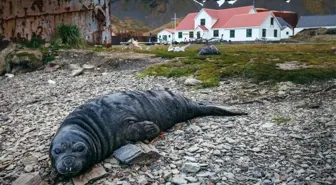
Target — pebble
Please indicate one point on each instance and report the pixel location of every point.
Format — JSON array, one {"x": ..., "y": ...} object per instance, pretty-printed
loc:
[
  {"x": 229, "y": 175},
  {"x": 193, "y": 149},
  {"x": 142, "y": 180},
  {"x": 191, "y": 179},
  {"x": 191, "y": 167},
  {"x": 179, "y": 180},
  {"x": 28, "y": 168}
]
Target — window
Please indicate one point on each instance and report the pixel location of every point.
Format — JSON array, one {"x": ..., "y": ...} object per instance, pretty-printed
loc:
[
  {"x": 160, "y": 36},
  {"x": 169, "y": 36},
  {"x": 248, "y": 32},
  {"x": 232, "y": 33},
  {"x": 216, "y": 33},
  {"x": 191, "y": 34},
  {"x": 272, "y": 21},
  {"x": 275, "y": 33},
  {"x": 263, "y": 32},
  {"x": 179, "y": 35},
  {"x": 287, "y": 33},
  {"x": 198, "y": 34},
  {"x": 203, "y": 22}
]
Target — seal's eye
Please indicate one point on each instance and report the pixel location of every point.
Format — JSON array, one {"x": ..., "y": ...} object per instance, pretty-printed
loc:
[
  {"x": 57, "y": 151},
  {"x": 80, "y": 149}
]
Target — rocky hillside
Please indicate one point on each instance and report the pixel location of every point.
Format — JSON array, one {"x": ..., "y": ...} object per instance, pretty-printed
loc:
[{"x": 158, "y": 12}]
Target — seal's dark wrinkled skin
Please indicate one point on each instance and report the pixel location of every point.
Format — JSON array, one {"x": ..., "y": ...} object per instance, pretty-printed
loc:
[{"x": 95, "y": 129}]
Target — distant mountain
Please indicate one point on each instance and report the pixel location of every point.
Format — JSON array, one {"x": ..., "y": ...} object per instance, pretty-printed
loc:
[{"x": 155, "y": 13}]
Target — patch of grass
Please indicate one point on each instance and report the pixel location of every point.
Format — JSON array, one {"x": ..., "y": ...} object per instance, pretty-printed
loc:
[
  {"x": 280, "y": 120},
  {"x": 169, "y": 70},
  {"x": 69, "y": 35},
  {"x": 34, "y": 42},
  {"x": 48, "y": 58},
  {"x": 31, "y": 56},
  {"x": 257, "y": 62}
]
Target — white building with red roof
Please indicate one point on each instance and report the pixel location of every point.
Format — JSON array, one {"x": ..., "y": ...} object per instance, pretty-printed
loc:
[
  {"x": 166, "y": 36},
  {"x": 235, "y": 24}
]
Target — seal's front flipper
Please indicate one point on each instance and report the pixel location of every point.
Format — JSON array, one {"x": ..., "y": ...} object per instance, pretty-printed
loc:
[{"x": 140, "y": 131}]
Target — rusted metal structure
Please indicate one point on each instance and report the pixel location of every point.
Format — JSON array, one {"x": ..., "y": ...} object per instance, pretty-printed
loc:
[
  {"x": 19, "y": 19},
  {"x": 289, "y": 16}
]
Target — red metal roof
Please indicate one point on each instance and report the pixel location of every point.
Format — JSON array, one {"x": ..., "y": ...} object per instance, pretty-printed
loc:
[
  {"x": 170, "y": 30},
  {"x": 202, "y": 27},
  {"x": 247, "y": 20},
  {"x": 187, "y": 23},
  {"x": 224, "y": 15}
]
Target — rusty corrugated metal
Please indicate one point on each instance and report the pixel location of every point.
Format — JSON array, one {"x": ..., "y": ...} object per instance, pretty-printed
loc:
[{"x": 21, "y": 18}]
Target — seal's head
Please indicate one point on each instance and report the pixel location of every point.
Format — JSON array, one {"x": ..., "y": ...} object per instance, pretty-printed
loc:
[{"x": 69, "y": 153}]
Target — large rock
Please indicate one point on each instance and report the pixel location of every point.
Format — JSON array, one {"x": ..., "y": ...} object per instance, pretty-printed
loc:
[
  {"x": 23, "y": 61},
  {"x": 3, "y": 54}
]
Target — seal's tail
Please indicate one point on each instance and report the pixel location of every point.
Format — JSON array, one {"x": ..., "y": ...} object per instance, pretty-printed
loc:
[{"x": 216, "y": 110}]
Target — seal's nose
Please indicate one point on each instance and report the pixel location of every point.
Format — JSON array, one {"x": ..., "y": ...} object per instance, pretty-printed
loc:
[{"x": 68, "y": 162}]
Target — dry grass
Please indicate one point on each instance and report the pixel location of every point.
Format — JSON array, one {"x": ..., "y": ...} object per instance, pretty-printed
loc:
[{"x": 257, "y": 62}]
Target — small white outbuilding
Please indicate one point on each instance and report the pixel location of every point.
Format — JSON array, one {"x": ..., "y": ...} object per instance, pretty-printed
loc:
[
  {"x": 165, "y": 36},
  {"x": 286, "y": 29}
]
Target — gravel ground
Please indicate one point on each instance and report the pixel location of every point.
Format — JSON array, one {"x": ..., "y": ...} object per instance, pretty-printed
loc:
[{"x": 288, "y": 137}]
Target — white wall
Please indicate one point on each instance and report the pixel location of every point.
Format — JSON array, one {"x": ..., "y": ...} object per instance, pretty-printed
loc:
[
  {"x": 163, "y": 33},
  {"x": 205, "y": 34},
  {"x": 286, "y": 33},
  {"x": 297, "y": 30},
  {"x": 270, "y": 29},
  {"x": 240, "y": 34},
  {"x": 203, "y": 15},
  {"x": 185, "y": 35},
  {"x": 213, "y": 22},
  {"x": 252, "y": 11}
]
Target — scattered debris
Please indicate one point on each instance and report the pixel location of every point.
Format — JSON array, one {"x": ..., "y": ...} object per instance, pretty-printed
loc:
[
  {"x": 177, "y": 48},
  {"x": 8, "y": 75},
  {"x": 139, "y": 153},
  {"x": 88, "y": 66},
  {"x": 51, "y": 82}
]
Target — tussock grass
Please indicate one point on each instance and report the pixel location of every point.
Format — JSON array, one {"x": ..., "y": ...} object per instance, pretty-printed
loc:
[
  {"x": 255, "y": 62},
  {"x": 69, "y": 35}
]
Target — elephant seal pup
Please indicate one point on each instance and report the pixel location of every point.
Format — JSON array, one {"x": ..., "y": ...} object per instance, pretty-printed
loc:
[{"x": 95, "y": 129}]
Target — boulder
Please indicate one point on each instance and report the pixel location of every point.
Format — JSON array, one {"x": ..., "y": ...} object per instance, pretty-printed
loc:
[
  {"x": 25, "y": 60},
  {"x": 3, "y": 53}
]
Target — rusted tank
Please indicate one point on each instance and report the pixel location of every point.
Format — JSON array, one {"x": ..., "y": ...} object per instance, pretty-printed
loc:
[
  {"x": 262, "y": 9},
  {"x": 288, "y": 16},
  {"x": 19, "y": 19}
]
